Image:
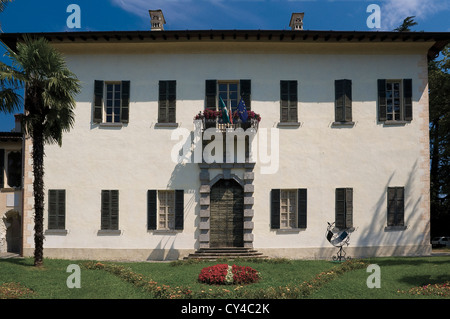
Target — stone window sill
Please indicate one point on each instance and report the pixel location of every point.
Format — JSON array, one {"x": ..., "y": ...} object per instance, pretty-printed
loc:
[
  {"x": 395, "y": 228},
  {"x": 109, "y": 232},
  {"x": 58, "y": 232},
  {"x": 166, "y": 125},
  {"x": 288, "y": 124},
  {"x": 105, "y": 125},
  {"x": 342, "y": 124},
  {"x": 395, "y": 123}
]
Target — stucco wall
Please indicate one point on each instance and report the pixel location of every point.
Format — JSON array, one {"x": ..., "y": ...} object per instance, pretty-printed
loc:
[{"x": 369, "y": 157}]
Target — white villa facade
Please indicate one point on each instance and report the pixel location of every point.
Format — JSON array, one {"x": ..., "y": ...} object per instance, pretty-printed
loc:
[{"x": 343, "y": 138}]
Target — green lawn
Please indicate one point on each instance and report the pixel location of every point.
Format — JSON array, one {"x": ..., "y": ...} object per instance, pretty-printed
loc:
[{"x": 280, "y": 279}]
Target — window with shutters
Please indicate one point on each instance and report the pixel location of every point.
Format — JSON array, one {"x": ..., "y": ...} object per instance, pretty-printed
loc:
[
  {"x": 395, "y": 206},
  {"x": 110, "y": 210},
  {"x": 395, "y": 100},
  {"x": 167, "y": 102},
  {"x": 165, "y": 209},
  {"x": 288, "y": 102},
  {"x": 57, "y": 209},
  {"x": 343, "y": 102},
  {"x": 288, "y": 208},
  {"x": 111, "y": 102},
  {"x": 230, "y": 91},
  {"x": 344, "y": 208}
]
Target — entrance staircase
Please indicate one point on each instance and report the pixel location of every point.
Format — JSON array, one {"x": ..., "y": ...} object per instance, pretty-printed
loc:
[{"x": 225, "y": 253}]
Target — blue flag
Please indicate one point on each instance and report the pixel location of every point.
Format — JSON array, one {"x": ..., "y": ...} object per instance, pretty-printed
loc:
[
  {"x": 242, "y": 111},
  {"x": 225, "y": 116}
]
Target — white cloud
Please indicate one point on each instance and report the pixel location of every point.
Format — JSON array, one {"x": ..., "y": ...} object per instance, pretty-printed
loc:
[{"x": 393, "y": 12}]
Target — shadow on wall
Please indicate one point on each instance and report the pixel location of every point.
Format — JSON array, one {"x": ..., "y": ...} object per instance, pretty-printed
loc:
[{"x": 368, "y": 240}]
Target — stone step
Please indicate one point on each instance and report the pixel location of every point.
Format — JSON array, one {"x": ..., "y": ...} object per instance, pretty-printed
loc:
[{"x": 225, "y": 253}]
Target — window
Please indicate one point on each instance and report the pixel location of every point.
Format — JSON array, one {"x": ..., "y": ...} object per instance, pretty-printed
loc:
[
  {"x": 111, "y": 102},
  {"x": 288, "y": 101},
  {"x": 288, "y": 208},
  {"x": 343, "y": 101},
  {"x": 165, "y": 209},
  {"x": 167, "y": 102},
  {"x": 110, "y": 210},
  {"x": 56, "y": 209},
  {"x": 344, "y": 208},
  {"x": 395, "y": 100},
  {"x": 11, "y": 168},
  {"x": 395, "y": 206},
  {"x": 230, "y": 91}
]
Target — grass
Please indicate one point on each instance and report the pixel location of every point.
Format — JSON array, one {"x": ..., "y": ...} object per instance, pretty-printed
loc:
[{"x": 318, "y": 279}]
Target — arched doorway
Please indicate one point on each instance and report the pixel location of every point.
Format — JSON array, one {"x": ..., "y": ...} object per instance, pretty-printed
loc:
[{"x": 227, "y": 214}]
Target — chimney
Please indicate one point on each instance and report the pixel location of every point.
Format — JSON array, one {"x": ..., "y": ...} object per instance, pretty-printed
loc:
[
  {"x": 296, "y": 23},
  {"x": 18, "y": 123},
  {"x": 157, "y": 20}
]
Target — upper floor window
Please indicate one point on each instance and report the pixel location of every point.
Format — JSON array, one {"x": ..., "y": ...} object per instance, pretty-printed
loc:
[
  {"x": 395, "y": 100},
  {"x": 288, "y": 101},
  {"x": 111, "y": 102},
  {"x": 167, "y": 101},
  {"x": 10, "y": 168},
  {"x": 231, "y": 93},
  {"x": 343, "y": 101}
]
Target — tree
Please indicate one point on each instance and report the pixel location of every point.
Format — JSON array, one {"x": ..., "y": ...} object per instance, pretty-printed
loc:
[
  {"x": 49, "y": 103},
  {"x": 406, "y": 25},
  {"x": 439, "y": 93}
]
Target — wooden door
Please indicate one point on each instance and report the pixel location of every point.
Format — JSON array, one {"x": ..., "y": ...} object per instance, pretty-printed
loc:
[{"x": 227, "y": 214}]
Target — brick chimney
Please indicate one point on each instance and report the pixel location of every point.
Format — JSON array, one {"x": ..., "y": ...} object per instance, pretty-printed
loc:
[
  {"x": 297, "y": 21},
  {"x": 157, "y": 20}
]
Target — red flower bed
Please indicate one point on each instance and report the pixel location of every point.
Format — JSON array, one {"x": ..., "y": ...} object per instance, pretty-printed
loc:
[{"x": 224, "y": 274}]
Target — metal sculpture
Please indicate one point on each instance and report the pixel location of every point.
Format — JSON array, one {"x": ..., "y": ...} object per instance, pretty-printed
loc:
[{"x": 338, "y": 238}]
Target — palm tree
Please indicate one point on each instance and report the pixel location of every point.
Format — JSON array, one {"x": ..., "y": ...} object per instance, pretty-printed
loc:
[
  {"x": 49, "y": 103},
  {"x": 406, "y": 25}
]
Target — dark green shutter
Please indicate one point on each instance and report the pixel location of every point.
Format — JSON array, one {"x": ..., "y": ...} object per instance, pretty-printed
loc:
[
  {"x": 52, "y": 209},
  {"x": 2, "y": 168},
  {"x": 348, "y": 207},
  {"x": 163, "y": 106},
  {"x": 400, "y": 209},
  {"x": 340, "y": 208},
  {"x": 172, "y": 98},
  {"x": 151, "y": 209},
  {"x": 114, "y": 209},
  {"x": 98, "y": 101},
  {"x": 210, "y": 94},
  {"x": 125, "y": 110},
  {"x": 110, "y": 210},
  {"x": 302, "y": 207},
  {"x": 382, "y": 100},
  {"x": 275, "y": 209},
  {"x": 246, "y": 92},
  {"x": 179, "y": 209},
  {"x": 343, "y": 100},
  {"x": 407, "y": 98}
]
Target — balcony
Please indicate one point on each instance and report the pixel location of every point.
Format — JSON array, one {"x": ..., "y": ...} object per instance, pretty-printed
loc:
[{"x": 213, "y": 119}]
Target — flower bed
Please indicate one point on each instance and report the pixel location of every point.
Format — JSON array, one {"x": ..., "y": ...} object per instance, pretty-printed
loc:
[{"x": 223, "y": 274}]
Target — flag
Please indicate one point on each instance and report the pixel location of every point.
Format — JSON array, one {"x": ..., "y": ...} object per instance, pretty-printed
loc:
[
  {"x": 242, "y": 111},
  {"x": 225, "y": 115}
]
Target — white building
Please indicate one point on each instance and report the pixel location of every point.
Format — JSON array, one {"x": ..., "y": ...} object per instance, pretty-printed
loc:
[{"x": 343, "y": 138}]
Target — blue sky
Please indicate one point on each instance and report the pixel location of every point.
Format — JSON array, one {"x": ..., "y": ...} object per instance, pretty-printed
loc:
[{"x": 115, "y": 15}]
